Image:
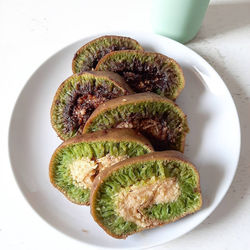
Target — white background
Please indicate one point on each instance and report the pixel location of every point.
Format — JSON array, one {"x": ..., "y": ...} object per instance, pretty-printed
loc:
[{"x": 31, "y": 31}]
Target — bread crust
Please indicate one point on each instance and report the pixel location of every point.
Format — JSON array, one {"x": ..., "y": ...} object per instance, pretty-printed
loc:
[
  {"x": 114, "y": 77},
  {"x": 133, "y": 99},
  {"x": 79, "y": 51},
  {"x": 143, "y": 53},
  {"x": 163, "y": 155},
  {"x": 115, "y": 135},
  {"x": 110, "y": 76}
]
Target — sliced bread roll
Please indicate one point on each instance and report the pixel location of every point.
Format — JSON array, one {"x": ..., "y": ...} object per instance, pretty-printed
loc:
[
  {"x": 146, "y": 71},
  {"x": 156, "y": 117},
  {"x": 87, "y": 57},
  {"x": 79, "y": 95},
  {"x": 76, "y": 162},
  {"x": 145, "y": 192}
]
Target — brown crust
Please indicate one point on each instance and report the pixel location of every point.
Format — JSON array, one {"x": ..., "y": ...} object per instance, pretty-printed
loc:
[
  {"x": 116, "y": 135},
  {"x": 163, "y": 155},
  {"x": 143, "y": 53},
  {"x": 115, "y": 78},
  {"x": 132, "y": 99},
  {"x": 79, "y": 51}
]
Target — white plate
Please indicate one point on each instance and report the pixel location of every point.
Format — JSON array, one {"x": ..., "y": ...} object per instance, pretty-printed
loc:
[{"x": 213, "y": 143}]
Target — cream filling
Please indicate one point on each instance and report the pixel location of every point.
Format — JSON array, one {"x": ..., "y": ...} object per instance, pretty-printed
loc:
[
  {"x": 131, "y": 201},
  {"x": 109, "y": 160},
  {"x": 84, "y": 170},
  {"x": 124, "y": 125}
]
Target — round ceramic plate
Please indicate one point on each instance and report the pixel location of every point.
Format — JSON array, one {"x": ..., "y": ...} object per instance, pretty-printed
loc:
[{"x": 213, "y": 143}]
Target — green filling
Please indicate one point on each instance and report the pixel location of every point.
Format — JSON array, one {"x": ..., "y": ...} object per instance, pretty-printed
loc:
[
  {"x": 69, "y": 87},
  {"x": 188, "y": 201},
  {"x": 87, "y": 56},
  {"x": 176, "y": 124},
  {"x": 61, "y": 173}
]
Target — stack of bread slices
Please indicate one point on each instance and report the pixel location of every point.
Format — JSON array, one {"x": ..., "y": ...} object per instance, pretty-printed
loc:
[{"x": 124, "y": 137}]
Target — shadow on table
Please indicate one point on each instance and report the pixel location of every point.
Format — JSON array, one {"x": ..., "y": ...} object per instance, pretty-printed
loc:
[{"x": 223, "y": 18}]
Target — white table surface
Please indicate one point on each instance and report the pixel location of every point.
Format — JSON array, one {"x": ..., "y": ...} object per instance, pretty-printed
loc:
[{"x": 31, "y": 31}]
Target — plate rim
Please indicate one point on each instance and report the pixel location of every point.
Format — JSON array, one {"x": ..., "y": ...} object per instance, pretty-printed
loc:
[{"x": 123, "y": 33}]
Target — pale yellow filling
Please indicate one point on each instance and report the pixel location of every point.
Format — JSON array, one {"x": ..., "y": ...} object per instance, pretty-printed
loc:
[
  {"x": 109, "y": 160},
  {"x": 131, "y": 201},
  {"x": 124, "y": 125},
  {"x": 84, "y": 170}
]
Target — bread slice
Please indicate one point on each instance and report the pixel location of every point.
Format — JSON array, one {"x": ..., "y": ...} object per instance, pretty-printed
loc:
[
  {"x": 87, "y": 57},
  {"x": 145, "y": 192},
  {"x": 146, "y": 71},
  {"x": 156, "y": 117},
  {"x": 79, "y": 95},
  {"x": 77, "y": 161}
]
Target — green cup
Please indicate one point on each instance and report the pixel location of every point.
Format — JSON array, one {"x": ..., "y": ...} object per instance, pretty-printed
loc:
[{"x": 178, "y": 19}]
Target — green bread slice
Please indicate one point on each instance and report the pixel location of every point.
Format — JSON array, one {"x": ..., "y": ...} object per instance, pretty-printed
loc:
[
  {"x": 156, "y": 117},
  {"x": 77, "y": 161},
  {"x": 79, "y": 95},
  {"x": 146, "y": 71},
  {"x": 87, "y": 57},
  {"x": 145, "y": 192}
]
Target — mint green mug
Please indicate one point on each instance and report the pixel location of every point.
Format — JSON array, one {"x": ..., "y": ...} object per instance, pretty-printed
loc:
[{"x": 178, "y": 19}]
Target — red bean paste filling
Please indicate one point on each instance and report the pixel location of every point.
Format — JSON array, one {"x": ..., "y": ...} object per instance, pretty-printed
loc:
[
  {"x": 101, "y": 53},
  {"x": 157, "y": 129},
  {"x": 83, "y": 101},
  {"x": 144, "y": 77}
]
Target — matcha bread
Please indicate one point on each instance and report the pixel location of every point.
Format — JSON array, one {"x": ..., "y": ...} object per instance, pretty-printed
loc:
[
  {"x": 77, "y": 161},
  {"x": 146, "y": 71},
  {"x": 79, "y": 95},
  {"x": 87, "y": 57},
  {"x": 145, "y": 192},
  {"x": 156, "y": 117}
]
